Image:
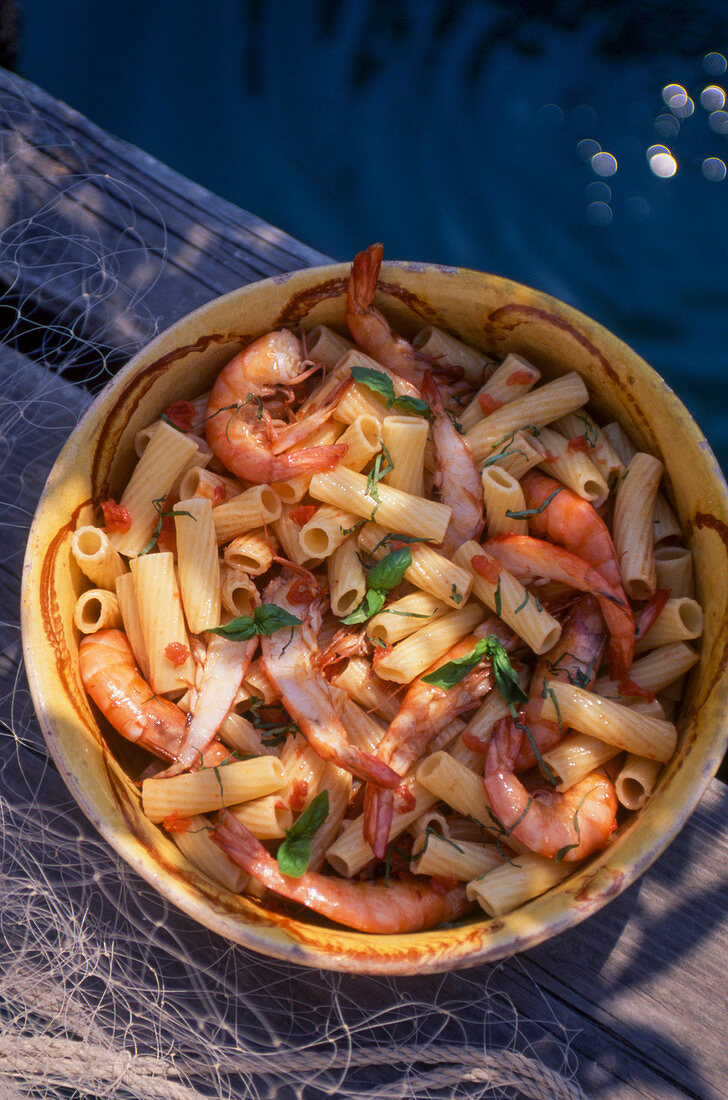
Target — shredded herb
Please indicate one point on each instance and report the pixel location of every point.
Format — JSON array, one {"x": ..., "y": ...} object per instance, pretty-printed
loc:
[
  {"x": 254, "y": 399},
  {"x": 548, "y": 774},
  {"x": 455, "y": 595},
  {"x": 382, "y": 384},
  {"x": 548, "y": 693},
  {"x": 497, "y": 595},
  {"x": 568, "y": 847},
  {"x": 430, "y": 831},
  {"x": 294, "y": 853},
  {"x": 523, "y": 604},
  {"x": 265, "y": 620},
  {"x": 378, "y": 471},
  {"x": 533, "y": 511},
  {"x": 590, "y": 429},
  {"x": 161, "y": 516},
  {"x": 455, "y": 423}
]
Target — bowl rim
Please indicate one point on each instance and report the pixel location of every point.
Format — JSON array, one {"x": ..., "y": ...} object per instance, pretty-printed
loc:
[{"x": 592, "y": 884}]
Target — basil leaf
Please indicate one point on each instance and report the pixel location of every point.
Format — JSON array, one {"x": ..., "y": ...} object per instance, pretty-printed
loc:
[
  {"x": 265, "y": 620},
  {"x": 450, "y": 674},
  {"x": 294, "y": 853},
  {"x": 390, "y": 571},
  {"x": 372, "y": 604},
  {"x": 385, "y": 576},
  {"x": 407, "y": 404},
  {"x": 375, "y": 380},
  {"x": 456, "y": 670},
  {"x": 380, "y": 383},
  {"x": 506, "y": 679}
]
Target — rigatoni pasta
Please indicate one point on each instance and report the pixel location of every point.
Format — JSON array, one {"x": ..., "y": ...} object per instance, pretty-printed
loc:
[{"x": 394, "y": 694}]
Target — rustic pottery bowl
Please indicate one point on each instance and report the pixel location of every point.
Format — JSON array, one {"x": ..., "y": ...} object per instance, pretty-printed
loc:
[{"x": 492, "y": 314}]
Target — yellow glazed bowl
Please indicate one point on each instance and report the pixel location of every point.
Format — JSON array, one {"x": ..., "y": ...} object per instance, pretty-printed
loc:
[{"x": 492, "y": 314}]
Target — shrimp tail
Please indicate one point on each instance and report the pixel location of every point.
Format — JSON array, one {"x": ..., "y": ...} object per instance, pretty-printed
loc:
[
  {"x": 364, "y": 765},
  {"x": 362, "y": 284},
  {"x": 378, "y": 814},
  {"x": 309, "y": 461}
]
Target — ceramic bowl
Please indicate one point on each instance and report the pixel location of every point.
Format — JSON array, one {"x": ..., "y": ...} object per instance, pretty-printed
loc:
[{"x": 496, "y": 316}]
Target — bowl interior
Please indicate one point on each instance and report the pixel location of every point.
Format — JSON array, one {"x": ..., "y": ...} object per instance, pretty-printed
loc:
[{"x": 498, "y": 317}]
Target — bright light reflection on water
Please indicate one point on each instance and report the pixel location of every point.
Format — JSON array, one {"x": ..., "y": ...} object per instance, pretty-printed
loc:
[
  {"x": 661, "y": 162},
  {"x": 718, "y": 121},
  {"x": 604, "y": 164},
  {"x": 587, "y": 148},
  {"x": 599, "y": 213},
  {"x": 713, "y": 168},
  {"x": 712, "y": 98},
  {"x": 714, "y": 64}
]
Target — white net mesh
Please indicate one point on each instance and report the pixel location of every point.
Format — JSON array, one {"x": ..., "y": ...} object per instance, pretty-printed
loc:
[{"x": 106, "y": 990}]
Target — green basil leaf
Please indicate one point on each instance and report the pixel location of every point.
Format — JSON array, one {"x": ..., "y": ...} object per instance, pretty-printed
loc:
[
  {"x": 294, "y": 853},
  {"x": 390, "y": 571},
  {"x": 372, "y": 604},
  {"x": 265, "y": 620},
  {"x": 294, "y": 856},
  {"x": 450, "y": 674},
  {"x": 506, "y": 679},
  {"x": 407, "y": 404},
  {"x": 375, "y": 380}
]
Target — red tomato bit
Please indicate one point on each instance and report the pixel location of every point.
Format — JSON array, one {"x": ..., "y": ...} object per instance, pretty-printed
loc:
[
  {"x": 176, "y": 653},
  {"x": 489, "y": 570},
  {"x": 303, "y": 513},
  {"x": 116, "y": 517},
  {"x": 488, "y": 404},
  {"x": 519, "y": 377},
  {"x": 182, "y": 414}
]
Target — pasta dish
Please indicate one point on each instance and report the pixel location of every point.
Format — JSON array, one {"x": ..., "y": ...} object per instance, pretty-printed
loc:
[{"x": 398, "y": 630}]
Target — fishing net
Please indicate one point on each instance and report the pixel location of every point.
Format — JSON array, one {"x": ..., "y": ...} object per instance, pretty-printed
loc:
[{"x": 105, "y": 989}]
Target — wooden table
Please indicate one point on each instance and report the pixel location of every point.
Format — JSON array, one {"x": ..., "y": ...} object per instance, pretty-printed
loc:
[{"x": 101, "y": 247}]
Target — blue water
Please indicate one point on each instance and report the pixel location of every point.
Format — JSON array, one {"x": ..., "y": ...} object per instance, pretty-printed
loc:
[{"x": 463, "y": 137}]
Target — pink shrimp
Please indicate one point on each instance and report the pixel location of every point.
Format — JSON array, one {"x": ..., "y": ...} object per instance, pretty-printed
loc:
[
  {"x": 290, "y": 661},
  {"x": 528, "y": 558},
  {"x": 563, "y": 517},
  {"x": 369, "y": 327},
  {"x": 457, "y": 476},
  {"x": 112, "y": 679},
  {"x": 569, "y": 825},
  {"x": 408, "y": 905},
  {"x": 225, "y": 664},
  {"x": 240, "y": 429},
  {"x": 425, "y": 711},
  {"x": 574, "y": 659}
]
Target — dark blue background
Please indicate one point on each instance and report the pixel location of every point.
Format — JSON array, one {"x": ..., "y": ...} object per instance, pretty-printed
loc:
[{"x": 451, "y": 135}]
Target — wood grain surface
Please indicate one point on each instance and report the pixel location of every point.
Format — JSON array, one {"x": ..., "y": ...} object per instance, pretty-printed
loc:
[{"x": 640, "y": 988}]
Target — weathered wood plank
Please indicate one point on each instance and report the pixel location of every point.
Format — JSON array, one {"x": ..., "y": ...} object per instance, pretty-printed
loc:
[
  {"x": 89, "y": 224},
  {"x": 639, "y": 986}
]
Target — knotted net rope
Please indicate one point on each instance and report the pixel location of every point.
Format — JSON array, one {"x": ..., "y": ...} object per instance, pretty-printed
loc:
[{"x": 106, "y": 990}]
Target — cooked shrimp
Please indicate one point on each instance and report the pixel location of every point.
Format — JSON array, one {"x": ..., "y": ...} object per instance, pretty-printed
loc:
[
  {"x": 399, "y": 906},
  {"x": 290, "y": 661},
  {"x": 574, "y": 659},
  {"x": 574, "y": 523},
  {"x": 240, "y": 429},
  {"x": 223, "y": 669},
  {"x": 457, "y": 476},
  {"x": 528, "y": 558},
  {"x": 112, "y": 679},
  {"x": 370, "y": 328},
  {"x": 570, "y": 824}
]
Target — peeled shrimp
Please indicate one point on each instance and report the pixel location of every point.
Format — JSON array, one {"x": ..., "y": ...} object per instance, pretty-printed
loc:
[
  {"x": 370, "y": 328},
  {"x": 574, "y": 659},
  {"x": 528, "y": 558},
  {"x": 239, "y": 427},
  {"x": 224, "y": 666},
  {"x": 290, "y": 661},
  {"x": 574, "y": 523},
  {"x": 457, "y": 476},
  {"x": 572, "y": 823},
  {"x": 385, "y": 907},
  {"x": 426, "y": 709},
  {"x": 112, "y": 679}
]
